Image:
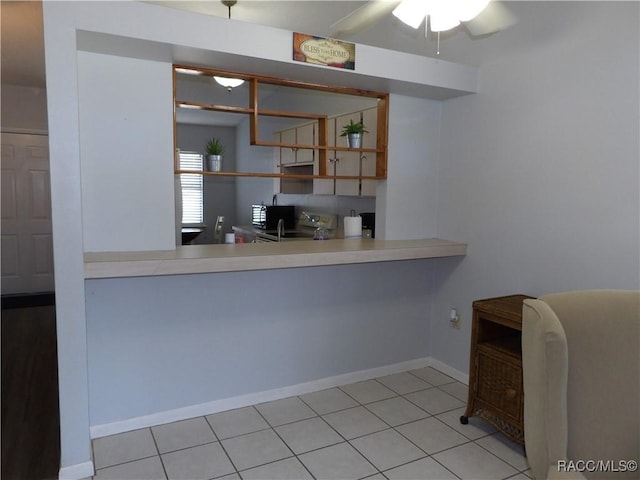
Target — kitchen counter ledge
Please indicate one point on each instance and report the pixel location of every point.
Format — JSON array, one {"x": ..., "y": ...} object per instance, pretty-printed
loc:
[{"x": 263, "y": 256}]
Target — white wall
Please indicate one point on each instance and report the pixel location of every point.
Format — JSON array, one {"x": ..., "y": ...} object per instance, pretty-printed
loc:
[
  {"x": 406, "y": 203},
  {"x": 66, "y": 193},
  {"x": 539, "y": 171},
  {"x": 126, "y": 148},
  {"x": 165, "y": 343}
]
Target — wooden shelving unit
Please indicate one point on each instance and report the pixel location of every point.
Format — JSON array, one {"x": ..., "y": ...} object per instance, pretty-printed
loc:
[{"x": 255, "y": 112}]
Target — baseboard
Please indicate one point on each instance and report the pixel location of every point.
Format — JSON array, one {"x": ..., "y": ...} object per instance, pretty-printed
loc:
[
  {"x": 452, "y": 372},
  {"x": 76, "y": 472},
  {"x": 222, "y": 405}
]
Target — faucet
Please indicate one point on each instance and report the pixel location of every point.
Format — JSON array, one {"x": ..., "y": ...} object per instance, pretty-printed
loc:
[{"x": 280, "y": 229}]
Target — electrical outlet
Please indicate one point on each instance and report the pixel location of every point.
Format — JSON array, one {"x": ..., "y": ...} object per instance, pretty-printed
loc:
[{"x": 454, "y": 319}]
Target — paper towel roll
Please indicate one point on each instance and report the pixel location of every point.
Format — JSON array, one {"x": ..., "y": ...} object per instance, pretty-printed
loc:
[{"x": 353, "y": 227}]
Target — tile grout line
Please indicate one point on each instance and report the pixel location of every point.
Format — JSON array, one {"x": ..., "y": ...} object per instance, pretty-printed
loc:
[
  {"x": 500, "y": 458},
  {"x": 237, "y": 436},
  {"x": 345, "y": 440},
  {"x": 282, "y": 439},
  {"x": 358, "y": 403},
  {"x": 391, "y": 427},
  {"x": 235, "y": 468},
  {"x": 157, "y": 454},
  {"x": 155, "y": 442}
]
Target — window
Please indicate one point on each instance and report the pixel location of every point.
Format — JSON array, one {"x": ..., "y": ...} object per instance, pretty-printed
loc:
[{"x": 192, "y": 191}]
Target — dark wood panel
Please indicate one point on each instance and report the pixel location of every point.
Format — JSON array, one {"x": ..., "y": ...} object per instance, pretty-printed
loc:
[
  {"x": 30, "y": 415},
  {"x": 28, "y": 300}
]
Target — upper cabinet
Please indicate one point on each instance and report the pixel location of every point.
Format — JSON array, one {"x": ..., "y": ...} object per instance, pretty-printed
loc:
[
  {"x": 301, "y": 135},
  {"x": 348, "y": 167},
  {"x": 301, "y": 123}
]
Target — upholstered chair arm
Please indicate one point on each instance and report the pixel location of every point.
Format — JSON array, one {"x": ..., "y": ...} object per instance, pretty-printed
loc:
[{"x": 544, "y": 368}]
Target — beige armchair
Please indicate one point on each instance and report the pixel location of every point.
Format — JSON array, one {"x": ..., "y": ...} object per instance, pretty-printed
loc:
[{"x": 581, "y": 376}]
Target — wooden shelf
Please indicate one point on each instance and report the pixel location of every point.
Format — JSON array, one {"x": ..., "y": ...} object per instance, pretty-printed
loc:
[
  {"x": 254, "y": 112},
  {"x": 261, "y": 143},
  {"x": 277, "y": 175},
  {"x": 213, "y": 108},
  {"x": 276, "y": 81},
  {"x": 246, "y": 110},
  {"x": 286, "y": 114}
]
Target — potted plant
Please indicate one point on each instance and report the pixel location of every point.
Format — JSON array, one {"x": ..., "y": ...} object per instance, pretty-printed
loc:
[
  {"x": 214, "y": 150},
  {"x": 353, "y": 131}
]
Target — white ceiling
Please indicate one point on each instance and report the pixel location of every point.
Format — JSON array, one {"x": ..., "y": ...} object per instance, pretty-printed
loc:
[
  {"x": 315, "y": 17},
  {"x": 23, "y": 45}
]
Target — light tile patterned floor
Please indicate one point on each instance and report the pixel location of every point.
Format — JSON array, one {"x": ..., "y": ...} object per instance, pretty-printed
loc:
[{"x": 402, "y": 426}]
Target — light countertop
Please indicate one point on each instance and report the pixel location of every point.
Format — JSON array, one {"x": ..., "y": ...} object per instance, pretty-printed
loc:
[{"x": 191, "y": 259}]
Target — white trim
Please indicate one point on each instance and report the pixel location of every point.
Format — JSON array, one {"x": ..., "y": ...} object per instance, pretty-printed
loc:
[
  {"x": 77, "y": 471},
  {"x": 260, "y": 397},
  {"x": 452, "y": 372}
]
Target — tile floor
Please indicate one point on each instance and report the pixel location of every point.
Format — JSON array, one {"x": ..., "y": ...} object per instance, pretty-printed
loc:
[{"x": 401, "y": 426}]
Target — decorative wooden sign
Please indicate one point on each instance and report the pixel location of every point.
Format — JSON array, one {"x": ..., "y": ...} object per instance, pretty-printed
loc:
[{"x": 324, "y": 51}]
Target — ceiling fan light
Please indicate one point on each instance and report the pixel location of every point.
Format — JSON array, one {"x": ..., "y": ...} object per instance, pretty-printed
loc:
[
  {"x": 411, "y": 12},
  {"x": 469, "y": 9},
  {"x": 443, "y": 21},
  {"x": 229, "y": 82}
]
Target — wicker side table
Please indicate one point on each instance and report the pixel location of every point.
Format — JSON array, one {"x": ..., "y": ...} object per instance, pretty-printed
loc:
[{"x": 495, "y": 372}]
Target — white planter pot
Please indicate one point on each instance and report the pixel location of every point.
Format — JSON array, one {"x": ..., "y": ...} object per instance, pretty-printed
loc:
[
  {"x": 214, "y": 163},
  {"x": 354, "y": 140}
]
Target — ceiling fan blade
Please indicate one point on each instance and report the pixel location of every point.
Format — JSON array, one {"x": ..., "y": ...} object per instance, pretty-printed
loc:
[
  {"x": 492, "y": 19},
  {"x": 366, "y": 15}
]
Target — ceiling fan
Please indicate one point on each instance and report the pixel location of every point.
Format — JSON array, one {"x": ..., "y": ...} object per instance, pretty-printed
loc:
[{"x": 479, "y": 17}]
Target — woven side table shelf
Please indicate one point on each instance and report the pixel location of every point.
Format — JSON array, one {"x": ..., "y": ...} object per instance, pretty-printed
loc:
[{"x": 495, "y": 372}]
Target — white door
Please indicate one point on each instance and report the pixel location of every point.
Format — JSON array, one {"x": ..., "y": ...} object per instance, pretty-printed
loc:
[{"x": 27, "y": 247}]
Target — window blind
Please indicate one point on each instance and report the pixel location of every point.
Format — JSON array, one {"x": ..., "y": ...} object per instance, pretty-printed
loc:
[{"x": 192, "y": 191}]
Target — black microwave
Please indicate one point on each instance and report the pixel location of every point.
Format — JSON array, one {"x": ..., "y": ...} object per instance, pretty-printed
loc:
[{"x": 266, "y": 216}]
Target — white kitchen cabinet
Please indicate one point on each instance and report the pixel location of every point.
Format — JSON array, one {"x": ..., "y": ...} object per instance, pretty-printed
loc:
[
  {"x": 346, "y": 163},
  {"x": 305, "y": 135},
  {"x": 288, "y": 154},
  {"x": 322, "y": 186},
  {"x": 302, "y": 135},
  {"x": 294, "y": 160}
]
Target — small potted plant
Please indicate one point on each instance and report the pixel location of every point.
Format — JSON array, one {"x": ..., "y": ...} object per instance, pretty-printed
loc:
[
  {"x": 353, "y": 131},
  {"x": 214, "y": 150}
]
